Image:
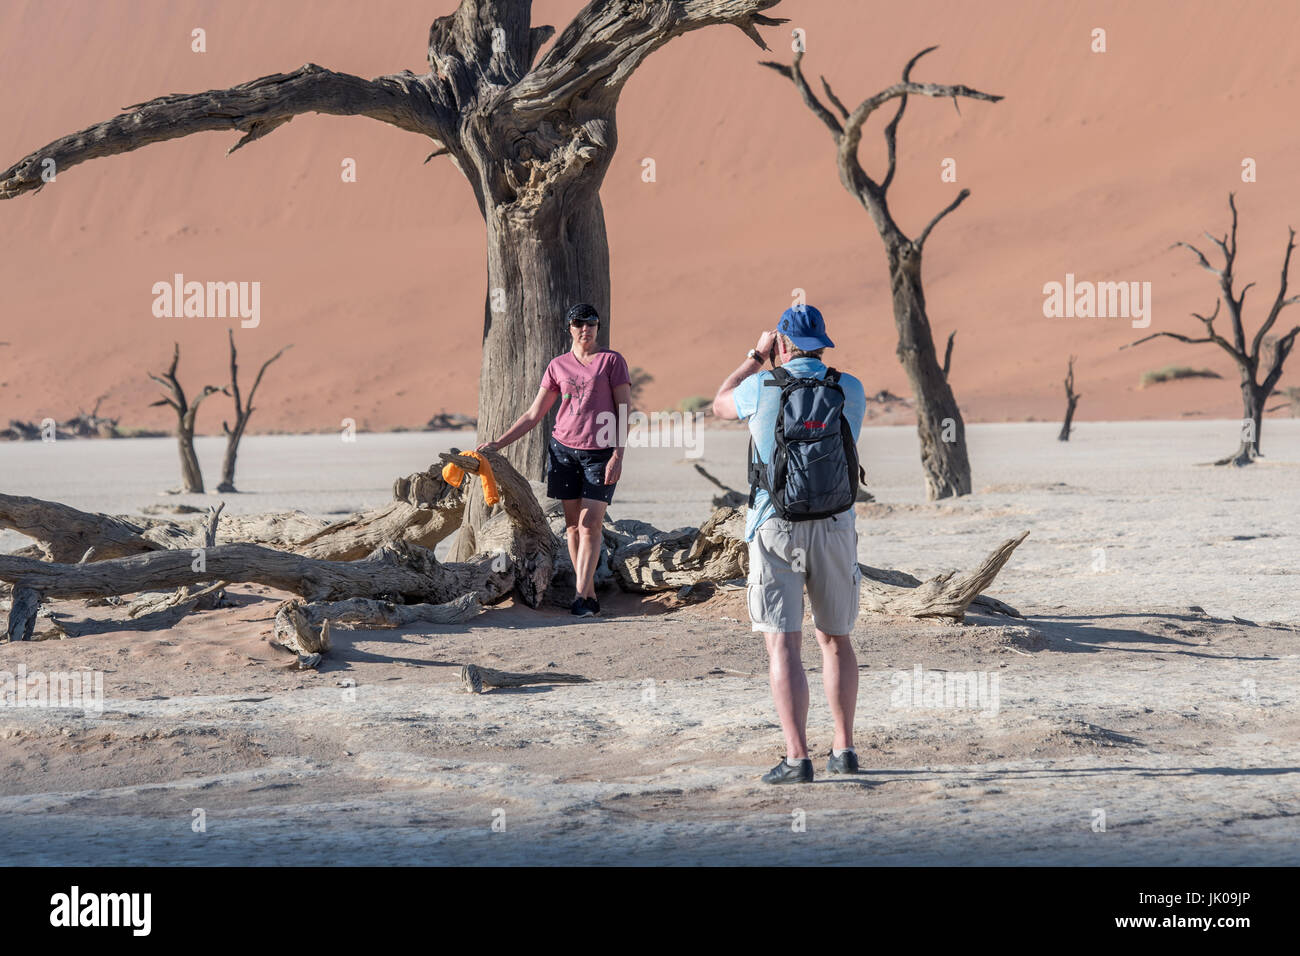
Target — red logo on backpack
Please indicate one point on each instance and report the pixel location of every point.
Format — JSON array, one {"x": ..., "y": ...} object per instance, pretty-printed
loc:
[{"x": 813, "y": 423}]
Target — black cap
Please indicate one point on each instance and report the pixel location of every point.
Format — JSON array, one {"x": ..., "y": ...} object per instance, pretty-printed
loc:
[{"x": 582, "y": 312}]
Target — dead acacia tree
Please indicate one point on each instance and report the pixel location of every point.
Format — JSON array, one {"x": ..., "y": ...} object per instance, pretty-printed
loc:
[
  {"x": 242, "y": 413},
  {"x": 938, "y": 419},
  {"x": 1263, "y": 354},
  {"x": 534, "y": 141},
  {"x": 191, "y": 474},
  {"x": 1071, "y": 399}
]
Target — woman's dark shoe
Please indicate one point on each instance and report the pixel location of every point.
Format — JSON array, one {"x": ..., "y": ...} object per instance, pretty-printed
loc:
[
  {"x": 784, "y": 773},
  {"x": 580, "y": 608},
  {"x": 593, "y": 606}
]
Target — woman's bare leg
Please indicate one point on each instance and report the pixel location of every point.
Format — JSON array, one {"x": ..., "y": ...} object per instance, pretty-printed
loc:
[{"x": 590, "y": 520}]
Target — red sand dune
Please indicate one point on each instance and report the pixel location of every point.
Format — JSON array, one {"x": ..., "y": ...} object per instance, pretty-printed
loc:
[{"x": 1093, "y": 164}]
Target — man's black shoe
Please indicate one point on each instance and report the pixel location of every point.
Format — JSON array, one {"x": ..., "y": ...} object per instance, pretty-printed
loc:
[
  {"x": 580, "y": 608},
  {"x": 846, "y": 762},
  {"x": 784, "y": 773}
]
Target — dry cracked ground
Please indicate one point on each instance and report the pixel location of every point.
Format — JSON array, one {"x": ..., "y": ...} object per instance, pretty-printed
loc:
[{"x": 1168, "y": 737}]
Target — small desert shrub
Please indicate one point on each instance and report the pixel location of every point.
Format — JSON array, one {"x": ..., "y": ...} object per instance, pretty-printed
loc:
[
  {"x": 696, "y": 403},
  {"x": 1171, "y": 372}
]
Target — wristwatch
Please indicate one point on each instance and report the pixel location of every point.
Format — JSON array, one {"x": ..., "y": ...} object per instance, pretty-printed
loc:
[{"x": 753, "y": 353}]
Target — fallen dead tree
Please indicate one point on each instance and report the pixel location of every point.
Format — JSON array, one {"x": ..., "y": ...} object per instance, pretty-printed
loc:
[
  {"x": 475, "y": 679},
  {"x": 399, "y": 581}
]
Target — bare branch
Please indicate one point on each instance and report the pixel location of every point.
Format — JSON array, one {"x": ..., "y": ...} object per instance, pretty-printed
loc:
[
  {"x": 830, "y": 95},
  {"x": 609, "y": 39},
  {"x": 853, "y": 126},
  {"x": 891, "y": 131},
  {"x": 961, "y": 197},
  {"x": 1205, "y": 263},
  {"x": 947, "y": 353},
  {"x": 258, "y": 381},
  {"x": 1281, "y": 301},
  {"x": 1280, "y": 353},
  {"x": 255, "y": 108},
  {"x": 794, "y": 72},
  {"x": 1172, "y": 335}
]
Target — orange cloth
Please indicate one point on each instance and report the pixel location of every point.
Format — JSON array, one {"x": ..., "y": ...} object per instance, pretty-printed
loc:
[{"x": 453, "y": 474}]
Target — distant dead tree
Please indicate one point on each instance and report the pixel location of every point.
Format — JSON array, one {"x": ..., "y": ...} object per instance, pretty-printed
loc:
[
  {"x": 1071, "y": 399},
  {"x": 639, "y": 379},
  {"x": 1263, "y": 352},
  {"x": 191, "y": 474},
  {"x": 938, "y": 419},
  {"x": 242, "y": 414},
  {"x": 1292, "y": 395}
]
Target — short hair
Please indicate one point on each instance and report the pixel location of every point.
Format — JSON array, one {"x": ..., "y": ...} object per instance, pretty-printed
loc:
[
  {"x": 800, "y": 353},
  {"x": 582, "y": 312}
]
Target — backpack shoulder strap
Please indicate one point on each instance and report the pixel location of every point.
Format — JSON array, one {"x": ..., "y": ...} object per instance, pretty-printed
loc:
[
  {"x": 832, "y": 376},
  {"x": 779, "y": 378}
]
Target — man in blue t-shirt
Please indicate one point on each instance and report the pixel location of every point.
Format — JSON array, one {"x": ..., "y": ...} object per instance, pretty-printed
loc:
[{"x": 787, "y": 556}]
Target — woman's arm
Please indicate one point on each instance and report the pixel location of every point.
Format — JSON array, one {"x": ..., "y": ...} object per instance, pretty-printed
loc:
[
  {"x": 622, "y": 401},
  {"x": 526, "y": 422}
]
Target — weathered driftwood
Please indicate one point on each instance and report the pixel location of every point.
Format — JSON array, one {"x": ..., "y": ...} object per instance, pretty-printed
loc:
[
  {"x": 662, "y": 561},
  {"x": 424, "y": 510},
  {"x": 515, "y": 539},
  {"x": 667, "y": 560},
  {"x": 396, "y": 570},
  {"x": 368, "y": 613},
  {"x": 520, "y": 560},
  {"x": 22, "y": 614},
  {"x": 946, "y": 595},
  {"x": 305, "y": 628},
  {"x": 63, "y": 533},
  {"x": 295, "y": 631},
  {"x": 475, "y": 679},
  {"x": 185, "y": 598}
]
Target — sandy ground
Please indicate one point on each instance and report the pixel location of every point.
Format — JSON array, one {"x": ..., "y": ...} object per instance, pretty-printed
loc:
[{"x": 1157, "y": 688}]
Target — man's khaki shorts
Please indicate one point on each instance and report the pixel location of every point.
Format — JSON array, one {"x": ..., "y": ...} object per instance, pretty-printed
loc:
[{"x": 787, "y": 556}]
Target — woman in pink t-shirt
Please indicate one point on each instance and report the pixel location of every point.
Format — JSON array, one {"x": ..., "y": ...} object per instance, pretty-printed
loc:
[{"x": 585, "y": 454}]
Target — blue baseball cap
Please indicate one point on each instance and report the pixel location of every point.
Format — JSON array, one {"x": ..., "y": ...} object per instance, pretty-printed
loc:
[{"x": 804, "y": 326}]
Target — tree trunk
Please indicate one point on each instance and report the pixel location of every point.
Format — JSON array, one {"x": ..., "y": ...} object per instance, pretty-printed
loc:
[
  {"x": 227, "y": 485},
  {"x": 191, "y": 474},
  {"x": 1070, "y": 402},
  {"x": 938, "y": 419},
  {"x": 542, "y": 259},
  {"x": 1252, "y": 418}
]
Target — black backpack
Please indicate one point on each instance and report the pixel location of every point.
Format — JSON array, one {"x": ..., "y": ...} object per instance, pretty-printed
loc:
[{"x": 814, "y": 469}]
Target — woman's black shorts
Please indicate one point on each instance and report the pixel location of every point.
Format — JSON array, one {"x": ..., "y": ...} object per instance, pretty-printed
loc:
[{"x": 578, "y": 473}]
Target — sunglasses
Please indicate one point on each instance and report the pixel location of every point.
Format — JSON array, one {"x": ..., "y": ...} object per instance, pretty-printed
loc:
[{"x": 584, "y": 325}]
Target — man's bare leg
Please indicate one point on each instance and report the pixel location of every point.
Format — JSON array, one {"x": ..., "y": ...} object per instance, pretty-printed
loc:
[
  {"x": 790, "y": 689},
  {"x": 840, "y": 679}
]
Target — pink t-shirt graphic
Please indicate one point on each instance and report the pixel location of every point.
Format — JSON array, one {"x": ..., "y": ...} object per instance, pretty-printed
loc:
[{"x": 585, "y": 392}]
